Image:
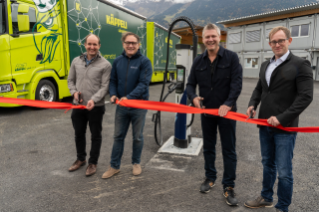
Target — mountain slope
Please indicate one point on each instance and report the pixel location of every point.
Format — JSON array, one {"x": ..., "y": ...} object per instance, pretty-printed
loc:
[
  {"x": 203, "y": 11},
  {"x": 149, "y": 8}
]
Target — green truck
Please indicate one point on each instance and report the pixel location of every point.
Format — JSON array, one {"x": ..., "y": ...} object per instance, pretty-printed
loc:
[{"x": 40, "y": 38}]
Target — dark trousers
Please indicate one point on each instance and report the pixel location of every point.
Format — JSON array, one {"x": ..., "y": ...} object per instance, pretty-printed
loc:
[
  {"x": 227, "y": 131},
  {"x": 80, "y": 118}
]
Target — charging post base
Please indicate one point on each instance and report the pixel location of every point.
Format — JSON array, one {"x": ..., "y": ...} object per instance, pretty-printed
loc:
[
  {"x": 182, "y": 143},
  {"x": 193, "y": 148}
]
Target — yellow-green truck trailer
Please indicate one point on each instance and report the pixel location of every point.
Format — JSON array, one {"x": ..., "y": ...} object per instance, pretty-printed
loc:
[
  {"x": 40, "y": 38},
  {"x": 157, "y": 39}
]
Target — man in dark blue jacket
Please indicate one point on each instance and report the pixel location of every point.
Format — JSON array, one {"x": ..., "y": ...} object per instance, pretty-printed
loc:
[
  {"x": 219, "y": 77},
  {"x": 130, "y": 77}
]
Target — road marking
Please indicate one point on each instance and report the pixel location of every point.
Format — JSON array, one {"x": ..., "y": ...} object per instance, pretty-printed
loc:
[
  {"x": 157, "y": 162},
  {"x": 103, "y": 195},
  {"x": 106, "y": 194},
  {"x": 61, "y": 173},
  {"x": 167, "y": 168}
]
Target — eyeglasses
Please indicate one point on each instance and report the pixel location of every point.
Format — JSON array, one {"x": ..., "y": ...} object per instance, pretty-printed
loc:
[
  {"x": 280, "y": 42},
  {"x": 131, "y": 43}
]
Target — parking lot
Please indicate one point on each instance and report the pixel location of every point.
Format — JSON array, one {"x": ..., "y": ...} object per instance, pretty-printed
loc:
[{"x": 37, "y": 147}]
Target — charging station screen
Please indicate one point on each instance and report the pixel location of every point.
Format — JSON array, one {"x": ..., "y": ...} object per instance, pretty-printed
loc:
[{"x": 180, "y": 75}]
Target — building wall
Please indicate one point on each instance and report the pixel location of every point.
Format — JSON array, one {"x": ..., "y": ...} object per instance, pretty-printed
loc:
[{"x": 250, "y": 42}]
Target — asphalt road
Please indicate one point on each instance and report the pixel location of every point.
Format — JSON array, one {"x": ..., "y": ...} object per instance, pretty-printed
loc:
[{"x": 37, "y": 147}]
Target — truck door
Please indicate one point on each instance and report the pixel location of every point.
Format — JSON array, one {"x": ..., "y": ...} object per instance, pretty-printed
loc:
[
  {"x": 5, "y": 73},
  {"x": 25, "y": 57}
]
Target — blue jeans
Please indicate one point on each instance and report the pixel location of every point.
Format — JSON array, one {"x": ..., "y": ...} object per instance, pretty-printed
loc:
[
  {"x": 123, "y": 117},
  {"x": 227, "y": 131},
  {"x": 277, "y": 153}
]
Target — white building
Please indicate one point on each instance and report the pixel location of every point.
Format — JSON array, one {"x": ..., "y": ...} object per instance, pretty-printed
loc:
[{"x": 248, "y": 36}]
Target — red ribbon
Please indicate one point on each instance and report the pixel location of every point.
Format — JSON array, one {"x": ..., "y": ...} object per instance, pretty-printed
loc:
[
  {"x": 177, "y": 108},
  {"x": 158, "y": 106},
  {"x": 41, "y": 104}
]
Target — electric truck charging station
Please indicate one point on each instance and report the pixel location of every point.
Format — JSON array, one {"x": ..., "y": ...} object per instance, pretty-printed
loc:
[
  {"x": 184, "y": 60},
  {"x": 182, "y": 142}
]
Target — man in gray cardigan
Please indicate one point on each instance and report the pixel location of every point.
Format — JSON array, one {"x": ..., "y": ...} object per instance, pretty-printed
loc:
[{"x": 88, "y": 82}]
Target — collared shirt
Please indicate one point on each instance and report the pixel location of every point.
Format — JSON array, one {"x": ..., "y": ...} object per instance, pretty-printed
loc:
[
  {"x": 213, "y": 64},
  {"x": 273, "y": 65},
  {"x": 89, "y": 61}
]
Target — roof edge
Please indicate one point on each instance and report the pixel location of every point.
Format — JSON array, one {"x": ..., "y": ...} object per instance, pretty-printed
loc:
[{"x": 272, "y": 13}]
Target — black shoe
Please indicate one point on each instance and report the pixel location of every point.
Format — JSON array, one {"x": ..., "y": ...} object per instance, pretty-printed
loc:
[
  {"x": 206, "y": 186},
  {"x": 229, "y": 194}
]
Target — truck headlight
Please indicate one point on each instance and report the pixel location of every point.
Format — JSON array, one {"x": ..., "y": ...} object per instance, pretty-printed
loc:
[{"x": 6, "y": 88}]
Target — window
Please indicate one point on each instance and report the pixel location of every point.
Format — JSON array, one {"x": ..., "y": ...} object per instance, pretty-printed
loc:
[
  {"x": 251, "y": 62},
  {"x": 300, "y": 31},
  {"x": 304, "y": 30},
  {"x": 267, "y": 58},
  {"x": 234, "y": 38},
  {"x": 252, "y": 36},
  {"x": 32, "y": 18},
  {"x": 267, "y": 33},
  {"x": 3, "y": 21}
]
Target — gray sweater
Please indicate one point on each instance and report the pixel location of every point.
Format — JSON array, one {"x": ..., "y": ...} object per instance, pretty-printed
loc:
[{"x": 92, "y": 80}]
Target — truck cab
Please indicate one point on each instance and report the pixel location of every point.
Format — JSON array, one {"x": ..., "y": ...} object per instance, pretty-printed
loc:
[{"x": 34, "y": 56}]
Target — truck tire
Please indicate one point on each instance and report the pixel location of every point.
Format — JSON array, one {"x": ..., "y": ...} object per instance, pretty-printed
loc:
[{"x": 46, "y": 91}]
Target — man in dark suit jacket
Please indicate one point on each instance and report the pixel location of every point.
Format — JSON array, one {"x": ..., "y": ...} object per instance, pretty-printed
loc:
[{"x": 285, "y": 89}]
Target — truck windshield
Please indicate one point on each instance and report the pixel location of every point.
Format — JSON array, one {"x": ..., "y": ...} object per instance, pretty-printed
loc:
[{"x": 3, "y": 22}]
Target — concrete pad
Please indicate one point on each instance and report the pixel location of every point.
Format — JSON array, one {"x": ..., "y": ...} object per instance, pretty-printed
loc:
[{"x": 192, "y": 150}]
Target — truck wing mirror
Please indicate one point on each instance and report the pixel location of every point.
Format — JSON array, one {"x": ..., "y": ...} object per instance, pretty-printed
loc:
[
  {"x": 23, "y": 20},
  {"x": 23, "y": 23},
  {"x": 23, "y": 8}
]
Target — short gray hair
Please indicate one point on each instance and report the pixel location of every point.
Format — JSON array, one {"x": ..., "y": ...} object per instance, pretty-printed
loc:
[{"x": 211, "y": 26}]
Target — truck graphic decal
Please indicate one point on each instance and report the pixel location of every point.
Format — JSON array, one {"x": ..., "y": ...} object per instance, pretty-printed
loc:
[
  {"x": 95, "y": 17},
  {"x": 85, "y": 22},
  {"x": 159, "y": 47},
  {"x": 141, "y": 32},
  {"x": 111, "y": 20},
  {"x": 21, "y": 67},
  {"x": 45, "y": 5},
  {"x": 48, "y": 12}
]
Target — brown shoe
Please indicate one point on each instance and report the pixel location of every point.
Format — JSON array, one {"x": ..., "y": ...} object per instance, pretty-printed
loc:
[
  {"x": 110, "y": 172},
  {"x": 259, "y": 202},
  {"x": 137, "y": 170},
  {"x": 90, "y": 170},
  {"x": 76, "y": 165}
]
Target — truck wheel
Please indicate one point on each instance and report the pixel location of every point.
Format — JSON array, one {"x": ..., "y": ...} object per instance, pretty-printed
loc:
[{"x": 46, "y": 91}]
